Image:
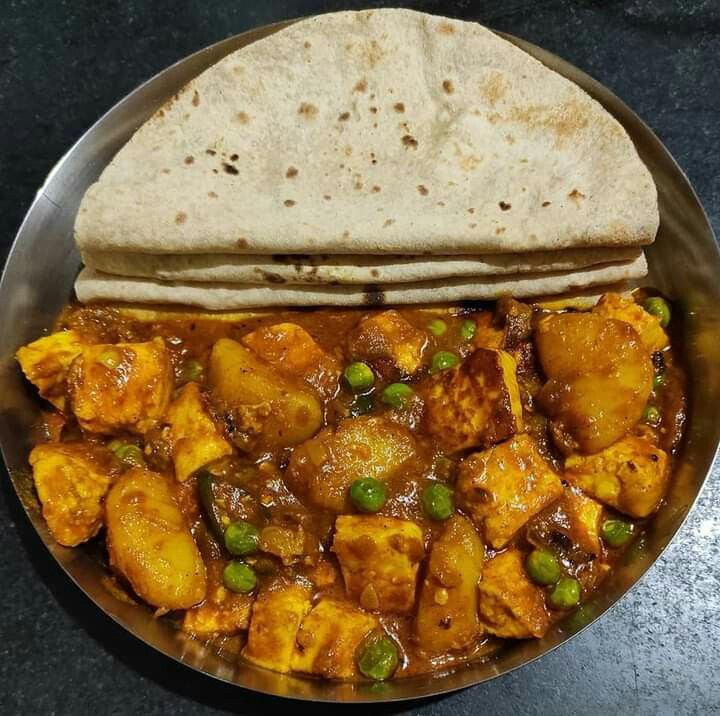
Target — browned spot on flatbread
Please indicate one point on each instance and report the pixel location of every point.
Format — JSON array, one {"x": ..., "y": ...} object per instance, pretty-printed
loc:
[
  {"x": 441, "y": 203},
  {"x": 196, "y": 99},
  {"x": 500, "y": 230},
  {"x": 445, "y": 28},
  {"x": 472, "y": 226},
  {"x": 374, "y": 273},
  {"x": 373, "y": 295},
  {"x": 546, "y": 203},
  {"x": 360, "y": 86},
  {"x": 357, "y": 182},
  {"x": 327, "y": 197},
  {"x": 211, "y": 152},
  {"x": 372, "y": 53},
  {"x": 189, "y": 159},
  {"x": 493, "y": 88},
  {"x": 165, "y": 171},
  {"x": 576, "y": 196},
  {"x": 409, "y": 141},
  {"x": 307, "y": 44},
  {"x": 510, "y": 139},
  {"x": 388, "y": 222},
  {"x": 374, "y": 110},
  {"x": 230, "y": 169},
  {"x": 242, "y": 243},
  {"x": 448, "y": 87},
  {"x": 180, "y": 217},
  {"x": 289, "y": 202},
  {"x": 347, "y": 150},
  {"x": 471, "y": 210},
  {"x": 212, "y": 195},
  {"x": 160, "y": 113},
  {"x": 346, "y": 234},
  {"x": 343, "y": 117},
  {"x": 307, "y": 110},
  {"x": 504, "y": 205},
  {"x": 422, "y": 189},
  {"x": 271, "y": 277},
  {"x": 375, "y": 189},
  {"x": 399, "y": 107},
  {"x": 291, "y": 172},
  {"x": 243, "y": 117},
  {"x": 563, "y": 120}
]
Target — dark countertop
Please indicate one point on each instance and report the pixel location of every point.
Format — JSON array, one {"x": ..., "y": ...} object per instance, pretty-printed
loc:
[{"x": 64, "y": 63}]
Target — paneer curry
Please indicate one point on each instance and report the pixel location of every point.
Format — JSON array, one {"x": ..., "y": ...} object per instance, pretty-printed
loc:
[{"x": 365, "y": 493}]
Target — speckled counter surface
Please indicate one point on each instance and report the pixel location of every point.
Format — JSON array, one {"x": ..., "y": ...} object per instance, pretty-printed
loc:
[{"x": 64, "y": 63}]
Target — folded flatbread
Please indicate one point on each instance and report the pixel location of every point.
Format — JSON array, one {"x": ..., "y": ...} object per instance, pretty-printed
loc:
[
  {"x": 359, "y": 269},
  {"x": 375, "y": 132},
  {"x": 92, "y": 286}
]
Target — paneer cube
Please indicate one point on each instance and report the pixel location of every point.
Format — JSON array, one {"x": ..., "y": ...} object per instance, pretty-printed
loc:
[
  {"x": 122, "y": 387},
  {"x": 321, "y": 470},
  {"x": 328, "y": 640},
  {"x": 622, "y": 308},
  {"x": 584, "y": 517},
  {"x": 475, "y": 404},
  {"x": 379, "y": 558},
  {"x": 276, "y": 617},
  {"x": 510, "y": 605},
  {"x": 222, "y": 612},
  {"x": 295, "y": 353},
  {"x": 447, "y": 617},
  {"x": 631, "y": 475},
  {"x": 503, "y": 487},
  {"x": 46, "y": 361},
  {"x": 389, "y": 335},
  {"x": 71, "y": 480},
  {"x": 194, "y": 438}
]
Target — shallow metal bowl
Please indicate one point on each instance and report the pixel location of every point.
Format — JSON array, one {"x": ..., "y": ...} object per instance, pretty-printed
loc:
[{"x": 37, "y": 282}]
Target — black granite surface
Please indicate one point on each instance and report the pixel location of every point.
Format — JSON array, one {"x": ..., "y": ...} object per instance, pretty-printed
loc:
[{"x": 64, "y": 63}]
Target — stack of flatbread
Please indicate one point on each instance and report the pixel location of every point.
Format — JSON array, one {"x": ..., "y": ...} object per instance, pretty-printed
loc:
[{"x": 368, "y": 157}]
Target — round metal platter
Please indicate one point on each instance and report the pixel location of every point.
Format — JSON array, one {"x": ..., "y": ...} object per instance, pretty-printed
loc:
[{"x": 37, "y": 283}]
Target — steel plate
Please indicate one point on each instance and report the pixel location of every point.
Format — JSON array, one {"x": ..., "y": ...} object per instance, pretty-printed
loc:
[{"x": 37, "y": 282}]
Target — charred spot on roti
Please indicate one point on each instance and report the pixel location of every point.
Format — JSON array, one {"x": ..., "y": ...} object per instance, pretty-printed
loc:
[
  {"x": 216, "y": 171},
  {"x": 180, "y": 217},
  {"x": 291, "y": 172},
  {"x": 374, "y": 295},
  {"x": 242, "y": 243},
  {"x": 374, "y": 273},
  {"x": 504, "y": 205},
  {"x": 388, "y": 222},
  {"x": 212, "y": 195},
  {"x": 347, "y": 150},
  {"x": 229, "y": 168},
  {"x": 272, "y": 277},
  {"x": 576, "y": 196},
  {"x": 307, "y": 44},
  {"x": 307, "y": 110},
  {"x": 165, "y": 171},
  {"x": 375, "y": 189},
  {"x": 510, "y": 139},
  {"x": 327, "y": 197},
  {"x": 500, "y": 230},
  {"x": 189, "y": 159},
  {"x": 196, "y": 99},
  {"x": 440, "y": 203},
  {"x": 422, "y": 190},
  {"x": 562, "y": 120},
  {"x": 289, "y": 202},
  {"x": 471, "y": 210},
  {"x": 448, "y": 86},
  {"x": 343, "y": 116},
  {"x": 374, "y": 110},
  {"x": 546, "y": 203},
  {"x": 360, "y": 86},
  {"x": 409, "y": 141},
  {"x": 234, "y": 157},
  {"x": 399, "y": 107},
  {"x": 242, "y": 117},
  {"x": 211, "y": 152},
  {"x": 445, "y": 28},
  {"x": 493, "y": 89}
]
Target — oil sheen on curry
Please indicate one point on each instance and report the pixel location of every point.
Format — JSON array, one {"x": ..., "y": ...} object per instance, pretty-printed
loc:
[{"x": 358, "y": 494}]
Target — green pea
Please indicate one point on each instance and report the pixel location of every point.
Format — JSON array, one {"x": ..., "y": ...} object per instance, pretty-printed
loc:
[
  {"x": 361, "y": 404},
  {"x": 241, "y": 538},
  {"x": 443, "y": 360},
  {"x": 368, "y": 494},
  {"x": 398, "y": 395},
  {"x": 658, "y": 381},
  {"x": 438, "y": 501},
  {"x": 128, "y": 453},
  {"x": 359, "y": 377},
  {"x": 437, "y": 326},
  {"x": 192, "y": 370},
  {"x": 651, "y": 415},
  {"x": 565, "y": 594},
  {"x": 658, "y": 307},
  {"x": 378, "y": 657},
  {"x": 543, "y": 566},
  {"x": 468, "y": 329},
  {"x": 617, "y": 532},
  {"x": 239, "y": 577}
]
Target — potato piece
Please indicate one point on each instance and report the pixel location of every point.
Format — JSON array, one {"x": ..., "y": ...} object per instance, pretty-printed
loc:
[
  {"x": 46, "y": 361},
  {"x": 321, "y": 470},
  {"x": 599, "y": 379},
  {"x": 295, "y": 353},
  {"x": 584, "y": 516},
  {"x": 150, "y": 543},
  {"x": 475, "y": 404},
  {"x": 631, "y": 475},
  {"x": 503, "y": 487},
  {"x": 328, "y": 639},
  {"x": 194, "y": 437},
  {"x": 510, "y": 605},
  {"x": 276, "y": 617},
  {"x": 613, "y": 305},
  {"x": 379, "y": 558},
  {"x": 487, "y": 334},
  {"x": 447, "y": 616},
  {"x": 268, "y": 411},
  {"x": 287, "y": 543},
  {"x": 389, "y": 335},
  {"x": 122, "y": 387},
  {"x": 71, "y": 481},
  {"x": 222, "y": 612}
]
